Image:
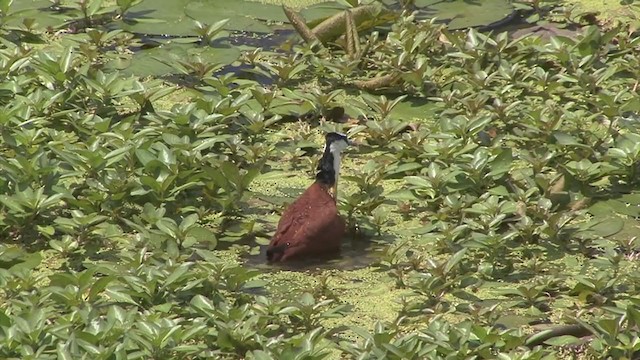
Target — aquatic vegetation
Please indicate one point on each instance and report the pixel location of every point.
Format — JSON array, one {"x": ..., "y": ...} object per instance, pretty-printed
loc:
[{"x": 493, "y": 204}]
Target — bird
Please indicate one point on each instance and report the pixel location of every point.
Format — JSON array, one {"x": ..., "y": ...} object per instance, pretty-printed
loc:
[{"x": 312, "y": 225}]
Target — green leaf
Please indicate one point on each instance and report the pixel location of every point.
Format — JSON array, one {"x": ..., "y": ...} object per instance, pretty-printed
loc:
[
  {"x": 273, "y": 175},
  {"x": 418, "y": 181},
  {"x": 116, "y": 155},
  {"x": 86, "y": 278},
  {"x": 231, "y": 172},
  {"x": 166, "y": 155},
  {"x": 116, "y": 314},
  {"x": 260, "y": 355},
  {"x": 152, "y": 183},
  {"x": 11, "y": 202},
  {"x": 564, "y": 138},
  {"x": 62, "y": 351},
  {"x": 167, "y": 226},
  {"x": 563, "y": 340},
  {"x": 609, "y": 226},
  {"x": 144, "y": 156},
  {"x": 119, "y": 296},
  {"x": 502, "y": 163},
  {"x": 401, "y": 195},
  {"x": 203, "y": 235},
  {"x": 46, "y": 230},
  {"x": 402, "y": 168},
  {"x": 176, "y": 274},
  {"x": 188, "y": 222},
  {"x": 454, "y": 260},
  {"x": 98, "y": 287},
  {"x": 201, "y": 302}
]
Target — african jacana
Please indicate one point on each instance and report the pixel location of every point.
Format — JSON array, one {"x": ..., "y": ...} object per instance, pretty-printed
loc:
[{"x": 311, "y": 225}]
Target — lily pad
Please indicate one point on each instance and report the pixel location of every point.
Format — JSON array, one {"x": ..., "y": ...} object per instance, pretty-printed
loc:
[
  {"x": 176, "y": 18},
  {"x": 157, "y": 61},
  {"x": 608, "y": 227},
  {"x": 410, "y": 108},
  {"x": 239, "y": 23},
  {"x": 36, "y": 9},
  {"x": 604, "y": 208},
  {"x": 225, "y": 8},
  {"x": 318, "y": 12},
  {"x": 155, "y": 17},
  {"x": 461, "y": 14}
]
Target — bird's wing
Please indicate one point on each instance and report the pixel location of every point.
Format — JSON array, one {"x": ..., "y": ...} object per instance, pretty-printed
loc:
[
  {"x": 320, "y": 221},
  {"x": 310, "y": 225},
  {"x": 291, "y": 217},
  {"x": 309, "y": 215}
]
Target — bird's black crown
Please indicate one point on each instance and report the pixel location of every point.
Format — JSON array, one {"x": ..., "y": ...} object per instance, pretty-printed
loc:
[{"x": 334, "y": 136}]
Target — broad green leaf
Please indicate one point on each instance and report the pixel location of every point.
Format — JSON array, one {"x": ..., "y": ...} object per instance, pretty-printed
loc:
[
  {"x": 608, "y": 227},
  {"x": 188, "y": 222},
  {"x": 202, "y": 235},
  {"x": 176, "y": 274},
  {"x": 144, "y": 156},
  {"x": 167, "y": 226},
  {"x": 62, "y": 351},
  {"x": 116, "y": 155},
  {"x": 563, "y": 340},
  {"x": 203, "y": 303},
  {"x": 98, "y": 287},
  {"x": 119, "y": 296},
  {"x": 418, "y": 181}
]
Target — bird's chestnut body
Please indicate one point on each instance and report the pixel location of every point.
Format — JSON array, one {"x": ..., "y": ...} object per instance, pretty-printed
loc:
[{"x": 312, "y": 225}]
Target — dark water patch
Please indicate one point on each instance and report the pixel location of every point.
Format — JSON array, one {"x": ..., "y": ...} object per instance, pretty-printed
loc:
[
  {"x": 357, "y": 252},
  {"x": 272, "y": 41},
  {"x": 519, "y": 27}
]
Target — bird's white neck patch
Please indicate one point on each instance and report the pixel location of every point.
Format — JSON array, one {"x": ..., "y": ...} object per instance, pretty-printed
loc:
[
  {"x": 336, "y": 150},
  {"x": 336, "y": 161}
]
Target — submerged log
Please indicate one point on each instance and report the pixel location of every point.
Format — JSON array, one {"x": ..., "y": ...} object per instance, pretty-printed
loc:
[
  {"x": 335, "y": 26},
  {"x": 300, "y": 25},
  {"x": 377, "y": 82}
]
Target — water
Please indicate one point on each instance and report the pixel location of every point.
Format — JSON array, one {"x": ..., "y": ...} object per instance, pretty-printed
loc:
[{"x": 357, "y": 252}]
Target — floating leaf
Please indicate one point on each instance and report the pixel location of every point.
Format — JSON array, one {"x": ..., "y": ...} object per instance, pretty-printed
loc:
[
  {"x": 460, "y": 14},
  {"x": 36, "y": 9},
  {"x": 242, "y": 15},
  {"x": 608, "y": 227},
  {"x": 157, "y": 61},
  {"x": 157, "y": 17}
]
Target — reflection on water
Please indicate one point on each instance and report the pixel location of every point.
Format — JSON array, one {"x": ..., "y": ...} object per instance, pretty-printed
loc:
[{"x": 356, "y": 253}]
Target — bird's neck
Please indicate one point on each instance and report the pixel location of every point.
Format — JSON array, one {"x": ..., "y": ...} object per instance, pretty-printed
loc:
[{"x": 328, "y": 167}]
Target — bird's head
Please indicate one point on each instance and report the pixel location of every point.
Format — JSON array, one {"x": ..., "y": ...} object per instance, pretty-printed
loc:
[
  {"x": 329, "y": 166},
  {"x": 337, "y": 142}
]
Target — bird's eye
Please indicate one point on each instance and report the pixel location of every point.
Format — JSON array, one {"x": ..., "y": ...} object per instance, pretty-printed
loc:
[{"x": 288, "y": 244}]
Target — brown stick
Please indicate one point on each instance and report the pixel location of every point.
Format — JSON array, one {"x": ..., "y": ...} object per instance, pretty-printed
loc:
[
  {"x": 335, "y": 26},
  {"x": 353, "y": 40},
  {"x": 377, "y": 82},
  {"x": 300, "y": 25}
]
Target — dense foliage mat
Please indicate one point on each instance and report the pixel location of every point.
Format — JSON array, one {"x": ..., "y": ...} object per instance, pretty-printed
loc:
[{"x": 507, "y": 201}]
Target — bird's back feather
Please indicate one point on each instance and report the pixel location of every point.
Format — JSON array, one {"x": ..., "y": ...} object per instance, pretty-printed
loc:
[{"x": 310, "y": 225}]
